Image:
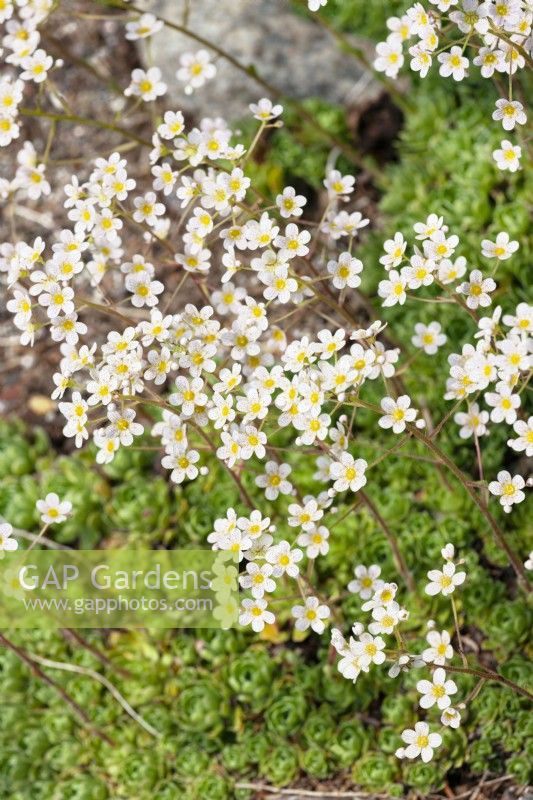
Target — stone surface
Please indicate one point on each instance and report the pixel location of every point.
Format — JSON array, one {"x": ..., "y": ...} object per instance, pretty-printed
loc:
[{"x": 291, "y": 52}]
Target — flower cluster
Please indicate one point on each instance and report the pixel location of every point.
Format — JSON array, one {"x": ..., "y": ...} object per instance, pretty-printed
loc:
[
  {"x": 498, "y": 33},
  {"x": 497, "y": 366},
  {"x": 368, "y": 647},
  {"x": 206, "y": 348}
]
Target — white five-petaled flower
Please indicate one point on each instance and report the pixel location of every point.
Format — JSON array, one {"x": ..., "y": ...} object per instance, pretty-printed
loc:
[
  {"x": 525, "y": 437},
  {"x": 122, "y": 425},
  {"x": 510, "y": 112},
  {"x": 143, "y": 27},
  {"x": 195, "y": 70},
  {"x": 348, "y": 473},
  {"x": 436, "y": 691},
  {"x": 258, "y": 579},
  {"x": 508, "y": 489},
  {"x": 274, "y": 480},
  {"x": 370, "y": 649},
  {"x": 345, "y": 271},
  {"x": 472, "y": 422},
  {"x": 397, "y": 413},
  {"x": 367, "y": 581},
  {"x": 503, "y": 248},
  {"x": 420, "y": 742},
  {"x": 265, "y": 111},
  {"x": 312, "y": 615},
  {"x": 7, "y": 544},
  {"x": 389, "y": 58},
  {"x": 453, "y": 63},
  {"x": 439, "y": 648},
  {"x": 255, "y": 613},
  {"x": 507, "y": 156},
  {"x": 428, "y": 337},
  {"x": 477, "y": 289},
  {"x": 146, "y": 84},
  {"x": 392, "y": 290},
  {"x": 504, "y": 403},
  {"x": 52, "y": 509},
  {"x": 284, "y": 559},
  {"x": 445, "y": 581}
]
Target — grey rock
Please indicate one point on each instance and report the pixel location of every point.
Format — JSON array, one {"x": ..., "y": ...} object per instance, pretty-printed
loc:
[{"x": 291, "y": 52}]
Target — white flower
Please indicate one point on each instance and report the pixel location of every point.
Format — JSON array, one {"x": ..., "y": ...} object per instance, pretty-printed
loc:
[
  {"x": 348, "y": 473},
  {"x": 255, "y": 613},
  {"x": 448, "y": 552},
  {"x": 397, "y": 413},
  {"x": 314, "y": 5},
  {"x": 7, "y": 544},
  {"x": 429, "y": 337},
  {"x": 528, "y": 564},
  {"x": 489, "y": 60},
  {"x": 350, "y": 664},
  {"x": 450, "y": 271},
  {"x": 182, "y": 463},
  {"x": 393, "y": 289},
  {"x": 453, "y": 63},
  {"x": 144, "y": 291},
  {"x": 274, "y": 481},
  {"x": 508, "y": 489},
  {"x": 52, "y": 509},
  {"x": 305, "y": 516},
  {"x": 384, "y": 594},
  {"x": 172, "y": 125},
  {"x": 146, "y": 84},
  {"x": 389, "y": 58},
  {"x": 122, "y": 425},
  {"x": 345, "y": 271},
  {"x": 370, "y": 649},
  {"x": 196, "y": 69},
  {"x": 508, "y": 156},
  {"x": 264, "y": 110},
  {"x": 366, "y": 582},
  {"x": 421, "y": 60},
  {"x": 284, "y": 560},
  {"x": 257, "y": 579},
  {"x": 394, "y": 251},
  {"x": 525, "y": 437},
  {"x": 315, "y": 541},
  {"x": 521, "y": 321},
  {"x": 338, "y": 184},
  {"x": 510, "y": 112},
  {"x": 472, "y": 17},
  {"x": 311, "y": 615},
  {"x": 289, "y": 203},
  {"x": 439, "y": 648},
  {"x": 450, "y": 717},
  {"x": 472, "y": 421},
  {"x": 436, "y": 691},
  {"x": 36, "y": 66},
  {"x": 420, "y": 742},
  {"x": 514, "y": 356},
  {"x": 504, "y": 404},
  {"x": 502, "y": 248},
  {"x": 385, "y": 618},
  {"x": 142, "y": 27},
  {"x": 477, "y": 290},
  {"x": 444, "y": 582},
  {"x": 293, "y": 242}
]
